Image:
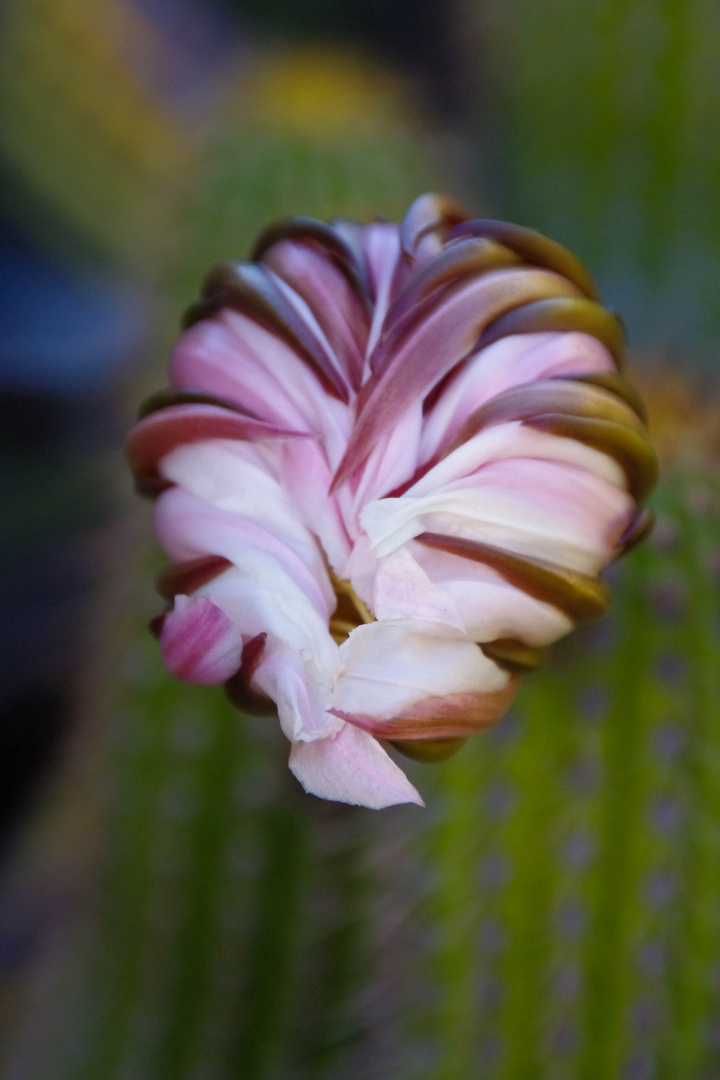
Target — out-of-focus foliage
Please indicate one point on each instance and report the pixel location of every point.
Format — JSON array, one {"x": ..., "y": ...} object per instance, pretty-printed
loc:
[
  {"x": 605, "y": 115},
  {"x": 87, "y": 150}
]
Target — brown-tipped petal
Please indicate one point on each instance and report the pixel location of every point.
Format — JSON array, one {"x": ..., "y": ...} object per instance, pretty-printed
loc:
[
  {"x": 557, "y": 396},
  {"x": 453, "y": 716},
  {"x": 639, "y": 528},
  {"x": 302, "y": 229},
  {"x": 238, "y": 689},
  {"x": 532, "y": 246},
  {"x": 429, "y": 751},
  {"x": 160, "y": 432},
  {"x": 156, "y": 624},
  {"x": 514, "y": 655},
  {"x": 351, "y": 234},
  {"x": 579, "y": 596},
  {"x": 461, "y": 260},
  {"x": 340, "y": 313},
  {"x": 429, "y": 213},
  {"x": 249, "y": 289},
  {"x": 165, "y": 399},
  {"x": 187, "y": 577},
  {"x": 630, "y": 449},
  {"x": 561, "y": 314},
  {"x": 446, "y": 335},
  {"x": 616, "y": 384}
]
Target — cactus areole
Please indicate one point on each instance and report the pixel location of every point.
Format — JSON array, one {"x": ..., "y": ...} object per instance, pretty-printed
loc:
[{"x": 391, "y": 465}]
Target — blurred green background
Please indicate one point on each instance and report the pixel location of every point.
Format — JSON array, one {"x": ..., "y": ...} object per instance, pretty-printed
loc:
[{"x": 172, "y": 906}]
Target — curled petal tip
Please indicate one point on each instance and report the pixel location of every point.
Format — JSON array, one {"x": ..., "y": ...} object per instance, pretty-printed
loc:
[{"x": 351, "y": 767}]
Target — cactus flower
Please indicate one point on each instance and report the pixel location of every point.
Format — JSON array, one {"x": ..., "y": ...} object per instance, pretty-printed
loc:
[{"x": 391, "y": 466}]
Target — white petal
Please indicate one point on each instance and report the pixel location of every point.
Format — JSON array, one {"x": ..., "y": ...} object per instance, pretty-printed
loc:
[
  {"x": 352, "y": 767},
  {"x": 545, "y": 509},
  {"x": 386, "y": 669},
  {"x": 301, "y": 691}
]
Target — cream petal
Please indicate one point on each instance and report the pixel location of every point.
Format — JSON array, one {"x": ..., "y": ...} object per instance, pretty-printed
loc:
[{"x": 386, "y": 669}]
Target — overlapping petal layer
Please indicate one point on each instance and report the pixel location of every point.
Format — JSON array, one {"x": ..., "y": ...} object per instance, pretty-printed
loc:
[{"x": 390, "y": 469}]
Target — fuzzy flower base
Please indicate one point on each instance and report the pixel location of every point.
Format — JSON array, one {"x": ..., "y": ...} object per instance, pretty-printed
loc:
[{"x": 390, "y": 468}]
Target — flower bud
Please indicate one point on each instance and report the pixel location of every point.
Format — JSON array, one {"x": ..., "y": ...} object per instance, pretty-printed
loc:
[{"x": 391, "y": 466}]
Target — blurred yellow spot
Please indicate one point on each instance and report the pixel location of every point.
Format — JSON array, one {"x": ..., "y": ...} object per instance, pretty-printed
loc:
[
  {"x": 328, "y": 92},
  {"x": 683, "y": 415}
]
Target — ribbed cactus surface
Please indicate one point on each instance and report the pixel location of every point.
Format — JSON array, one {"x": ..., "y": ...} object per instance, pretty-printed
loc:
[{"x": 553, "y": 913}]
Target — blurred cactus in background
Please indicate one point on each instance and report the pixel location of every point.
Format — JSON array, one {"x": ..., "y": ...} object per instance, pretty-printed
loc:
[
  {"x": 604, "y": 116},
  {"x": 312, "y": 128},
  {"x": 554, "y": 913}
]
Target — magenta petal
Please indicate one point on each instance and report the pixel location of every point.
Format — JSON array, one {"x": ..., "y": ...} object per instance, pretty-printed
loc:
[
  {"x": 199, "y": 643},
  {"x": 163, "y": 431}
]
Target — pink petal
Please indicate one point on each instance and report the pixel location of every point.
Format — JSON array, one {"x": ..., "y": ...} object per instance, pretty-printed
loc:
[
  {"x": 426, "y": 223},
  {"x": 341, "y": 316},
  {"x": 442, "y": 338},
  {"x": 188, "y": 527},
  {"x": 232, "y": 356},
  {"x": 352, "y": 767},
  {"x": 381, "y": 245},
  {"x": 491, "y": 608},
  {"x": 161, "y": 432},
  {"x": 441, "y": 716},
  {"x": 199, "y": 643},
  {"x": 302, "y": 691},
  {"x": 253, "y": 290},
  {"x": 403, "y": 591},
  {"x": 511, "y": 362},
  {"x": 514, "y": 440},
  {"x": 553, "y": 510}
]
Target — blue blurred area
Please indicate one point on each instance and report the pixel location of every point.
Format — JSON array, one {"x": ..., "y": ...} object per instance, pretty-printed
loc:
[
  {"x": 64, "y": 328},
  {"x": 103, "y": 107},
  {"x": 67, "y": 335}
]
